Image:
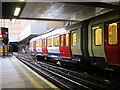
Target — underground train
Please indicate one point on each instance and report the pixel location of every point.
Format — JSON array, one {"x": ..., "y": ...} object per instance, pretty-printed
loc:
[{"x": 95, "y": 41}]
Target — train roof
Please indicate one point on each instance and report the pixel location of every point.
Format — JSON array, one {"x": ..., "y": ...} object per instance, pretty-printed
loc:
[{"x": 51, "y": 33}]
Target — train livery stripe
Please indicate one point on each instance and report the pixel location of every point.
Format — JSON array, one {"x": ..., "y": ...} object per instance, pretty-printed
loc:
[
  {"x": 55, "y": 54},
  {"x": 39, "y": 52},
  {"x": 58, "y": 54}
]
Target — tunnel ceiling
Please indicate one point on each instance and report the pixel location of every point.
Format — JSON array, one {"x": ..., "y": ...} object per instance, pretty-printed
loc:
[{"x": 76, "y": 11}]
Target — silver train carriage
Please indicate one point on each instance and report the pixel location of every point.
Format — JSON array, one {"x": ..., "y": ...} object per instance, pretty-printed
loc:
[{"x": 95, "y": 41}]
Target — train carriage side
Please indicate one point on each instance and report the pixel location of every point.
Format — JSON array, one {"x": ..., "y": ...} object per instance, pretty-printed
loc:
[
  {"x": 76, "y": 41},
  {"x": 59, "y": 45},
  {"x": 101, "y": 51},
  {"x": 49, "y": 45},
  {"x": 38, "y": 47},
  {"x": 53, "y": 44}
]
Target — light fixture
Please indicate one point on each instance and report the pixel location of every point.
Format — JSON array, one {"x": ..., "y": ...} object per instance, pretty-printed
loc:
[
  {"x": 21, "y": 0},
  {"x": 13, "y": 20},
  {"x": 17, "y": 11}
]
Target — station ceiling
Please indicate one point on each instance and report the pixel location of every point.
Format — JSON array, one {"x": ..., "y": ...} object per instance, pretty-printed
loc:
[{"x": 57, "y": 11}]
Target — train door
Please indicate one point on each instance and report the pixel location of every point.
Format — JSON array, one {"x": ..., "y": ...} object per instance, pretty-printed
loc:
[
  {"x": 76, "y": 44},
  {"x": 65, "y": 45},
  {"x": 112, "y": 42},
  {"x": 97, "y": 41},
  {"x": 62, "y": 45},
  {"x": 44, "y": 47}
]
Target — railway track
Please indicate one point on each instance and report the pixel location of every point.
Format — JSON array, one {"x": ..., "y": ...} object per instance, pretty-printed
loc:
[{"x": 64, "y": 78}]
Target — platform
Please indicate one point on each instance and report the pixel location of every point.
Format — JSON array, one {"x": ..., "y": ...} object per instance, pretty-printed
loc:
[{"x": 15, "y": 74}]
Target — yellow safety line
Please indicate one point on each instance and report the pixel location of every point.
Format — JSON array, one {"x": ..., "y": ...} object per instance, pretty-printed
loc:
[
  {"x": 33, "y": 81},
  {"x": 45, "y": 80}
]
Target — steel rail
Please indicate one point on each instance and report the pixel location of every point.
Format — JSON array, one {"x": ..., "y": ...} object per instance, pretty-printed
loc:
[
  {"x": 61, "y": 85},
  {"x": 63, "y": 74}
]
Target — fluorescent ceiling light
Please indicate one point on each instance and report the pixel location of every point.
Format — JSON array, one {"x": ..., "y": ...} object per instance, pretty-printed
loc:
[
  {"x": 21, "y": 0},
  {"x": 17, "y": 11}
]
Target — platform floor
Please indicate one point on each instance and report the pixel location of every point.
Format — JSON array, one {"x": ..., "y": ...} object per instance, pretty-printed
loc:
[{"x": 15, "y": 74}]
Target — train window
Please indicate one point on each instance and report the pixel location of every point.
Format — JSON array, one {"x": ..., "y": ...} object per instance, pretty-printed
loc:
[
  {"x": 56, "y": 41},
  {"x": 67, "y": 39},
  {"x": 49, "y": 42},
  {"x": 37, "y": 44},
  {"x": 62, "y": 40},
  {"x": 74, "y": 39},
  {"x": 98, "y": 36},
  {"x": 40, "y": 43},
  {"x": 112, "y": 34}
]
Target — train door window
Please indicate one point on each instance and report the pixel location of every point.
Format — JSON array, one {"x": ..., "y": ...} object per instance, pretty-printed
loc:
[
  {"x": 98, "y": 36},
  {"x": 67, "y": 39},
  {"x": 74, "y": 39},
  {"x": 62, "y": 40},
  {"x": 43, "y": 43},
  {"x": 112, "y": 34},
  {"x": 56, "y": 41},
  {"x": 40, "y": 43},
  {"x": 49, "y": 41}
]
